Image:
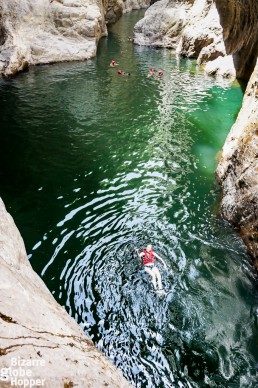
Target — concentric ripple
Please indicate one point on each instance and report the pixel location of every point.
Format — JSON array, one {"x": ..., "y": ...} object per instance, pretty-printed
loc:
[{"x": 105, "y": 163}]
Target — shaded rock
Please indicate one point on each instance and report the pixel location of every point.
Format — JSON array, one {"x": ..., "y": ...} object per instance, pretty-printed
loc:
[
  {"x": 34, "y": 327},
  {"x": 113, "y": 10},
  {"x": 239, "y": 20},
  {"x": 237, "y": 171}
]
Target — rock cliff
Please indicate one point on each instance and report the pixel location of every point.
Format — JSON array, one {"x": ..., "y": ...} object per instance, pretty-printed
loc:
[
  {"x": 45, "y": 31},
  {"x": 35, "y": 330},
  {"x": 238, "y": 170}
]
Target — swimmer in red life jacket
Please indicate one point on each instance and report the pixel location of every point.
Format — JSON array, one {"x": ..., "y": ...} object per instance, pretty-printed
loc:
[
  {"x": 113, "y": 63},
  {"x": 151, "y": 72},
  {"x": 120, "y": 72},
  {"x": 148, "y": 259}
]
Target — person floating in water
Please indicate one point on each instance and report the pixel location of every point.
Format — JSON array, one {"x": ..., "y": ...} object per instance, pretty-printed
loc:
[
  {"x": 148, "y": 259},
  {"x": 113, "y": 63},
  {"x": 160, "y": 74},
  {"x": 120, "y": 72},
  {"x": 151, "y": 72}
]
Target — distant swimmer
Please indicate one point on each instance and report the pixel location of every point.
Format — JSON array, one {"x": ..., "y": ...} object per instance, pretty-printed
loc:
[
  {"x": 130, "y": 39},
  {"x": 113, "y": 63},
  {"x": 120, "y": 72},
  {"x": 160, "y": 74},
  {"x": 151, "y": 72},
  {"x": 148, "y": 260}
]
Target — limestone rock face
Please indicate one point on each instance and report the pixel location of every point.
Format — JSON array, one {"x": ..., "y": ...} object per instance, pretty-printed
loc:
[
  {"x": 45, "y": 31},
  {"x": 238, "y": 170},
  {"x": 34, "y": 328}
]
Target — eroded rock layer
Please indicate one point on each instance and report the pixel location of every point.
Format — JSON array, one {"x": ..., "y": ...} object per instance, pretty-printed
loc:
[{"x": 34, "y": 328}]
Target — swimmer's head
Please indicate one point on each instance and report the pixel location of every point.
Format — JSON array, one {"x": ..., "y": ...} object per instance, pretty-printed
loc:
[{"x": 149, "y": 247}]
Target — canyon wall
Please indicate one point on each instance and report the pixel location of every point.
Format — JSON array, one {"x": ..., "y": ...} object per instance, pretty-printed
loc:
[
  {"x": 35, "y": 328},
  {"x": 45, "y": 31},
  {"x": 239, "y": 21},
  {"x": 238, "y": 168},
  {"x": 222, "y": 35},
  {"x": 237, "y": 171}
]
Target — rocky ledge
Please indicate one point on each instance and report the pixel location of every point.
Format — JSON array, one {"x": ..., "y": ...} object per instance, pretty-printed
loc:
[{"x": 38, "y": 339}]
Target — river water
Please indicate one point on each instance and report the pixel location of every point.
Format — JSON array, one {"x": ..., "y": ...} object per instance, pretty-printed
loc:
[{"x": 93, "y": 164}]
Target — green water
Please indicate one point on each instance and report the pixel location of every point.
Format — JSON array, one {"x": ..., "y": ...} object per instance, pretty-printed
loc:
[{"x": 92, "y": 164}]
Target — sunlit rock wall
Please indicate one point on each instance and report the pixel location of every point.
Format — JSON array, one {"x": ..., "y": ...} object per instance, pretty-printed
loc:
[
  {"x": 34, "y": 327},
  {"x": 45, "y": 31}
]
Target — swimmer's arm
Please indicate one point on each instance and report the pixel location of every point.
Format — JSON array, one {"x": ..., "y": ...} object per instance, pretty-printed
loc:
[
  {"x": 160, "y": 259},
  {"x": 139, "y": 254}
]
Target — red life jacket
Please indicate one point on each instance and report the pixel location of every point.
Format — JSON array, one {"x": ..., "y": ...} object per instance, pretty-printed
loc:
[{"x": 148, "y": 257}]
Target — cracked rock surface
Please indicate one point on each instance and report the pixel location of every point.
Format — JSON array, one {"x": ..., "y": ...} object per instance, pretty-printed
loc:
[{"x": 33, "y": 326}]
